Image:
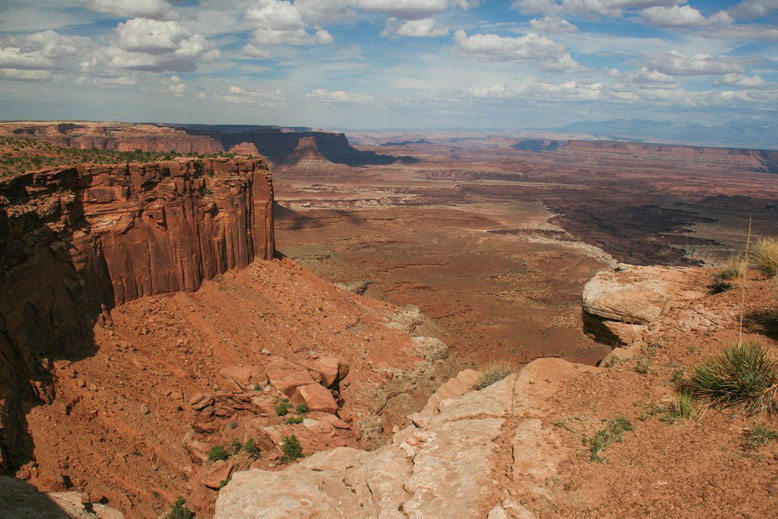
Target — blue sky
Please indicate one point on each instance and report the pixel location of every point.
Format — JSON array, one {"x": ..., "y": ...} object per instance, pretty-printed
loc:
[{"x": 389, "y": 63}]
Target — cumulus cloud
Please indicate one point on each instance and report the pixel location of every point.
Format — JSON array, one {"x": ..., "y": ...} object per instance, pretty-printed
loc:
[
  {"x": 326, "y": 11},
  {"x": 413, "y": 9},
  {"x": 277, "y": 22},
  {"x": 159, "y": 46},
  {"x": 590, "y": 8},
  {"x": 743, "y": 32},
  {"x": 750, "y": 9},
  {"x": 262, "y": 98},
  {"x": 156, "y": 9},
  {"x": 552, "y": 24},
  {"x": 422, "y": 28},
  {"x": 36, "y": 56},
  {"x": 24, "y": 75},
  {"x": 530, "y": 48},
  {"x": 678, "y": 65},
  {"x": 323, "y": 96},
  {"x": 682, "y": 16},
  {"x": 173, "y": 85},
  {"x": 741, "y": 80}
]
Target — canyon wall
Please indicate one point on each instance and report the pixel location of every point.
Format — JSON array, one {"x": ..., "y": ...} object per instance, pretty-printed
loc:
[{"x": 74, "y": 241}]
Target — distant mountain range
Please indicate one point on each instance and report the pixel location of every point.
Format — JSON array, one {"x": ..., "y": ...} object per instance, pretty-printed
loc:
[{"x": 757, "y": 134}]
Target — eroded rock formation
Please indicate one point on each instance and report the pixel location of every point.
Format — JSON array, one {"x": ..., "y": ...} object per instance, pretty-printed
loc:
[{"x": 77, "y": 240}]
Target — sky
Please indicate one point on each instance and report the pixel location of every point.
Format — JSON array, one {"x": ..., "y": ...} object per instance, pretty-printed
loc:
[{"x": 362, "y": 64}]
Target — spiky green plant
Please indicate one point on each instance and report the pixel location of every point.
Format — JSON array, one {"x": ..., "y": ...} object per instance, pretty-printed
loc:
[
  {"x": 744, "y": 374},
  {"x": 765, "y": 255},
  {"x": 758, "y": 437},
  {"x": 684, "y": 406}
]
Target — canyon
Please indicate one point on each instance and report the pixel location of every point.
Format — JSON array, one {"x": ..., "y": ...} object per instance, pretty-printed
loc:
[{"x": 155, "y": 309}]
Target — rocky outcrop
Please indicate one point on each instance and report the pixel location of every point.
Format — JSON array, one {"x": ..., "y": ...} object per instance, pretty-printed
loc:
[
  {"x": 306, "y": 155},
  {"x": 619, "y": 303},
  {"x": 448, "y": 463},
  {"x": 78, "y": 240}
]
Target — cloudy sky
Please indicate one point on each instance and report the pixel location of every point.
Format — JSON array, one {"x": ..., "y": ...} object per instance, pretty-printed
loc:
[{"x": 389, "y": 63}]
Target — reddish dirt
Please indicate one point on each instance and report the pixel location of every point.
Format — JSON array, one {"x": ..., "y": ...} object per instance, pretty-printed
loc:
[
  {"x": 117, "y": 425},
  {"x": 663, "y": 469}
]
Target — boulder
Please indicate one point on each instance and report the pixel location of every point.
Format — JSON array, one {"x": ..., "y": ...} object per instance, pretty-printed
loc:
[
  {"x": 286, "y": 376},
  {"x": 243, "y": 378},
  {"x": 316, "y": 397},
  {"x": 218, "y": 472},
  {"x": 618, "y": 303},
  {"x": 463, "y": 383},
  {"x": 331, "y": 370}
]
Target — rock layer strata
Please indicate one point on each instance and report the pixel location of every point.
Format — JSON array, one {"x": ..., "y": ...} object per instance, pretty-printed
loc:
[{"x": 78, "y": 240}]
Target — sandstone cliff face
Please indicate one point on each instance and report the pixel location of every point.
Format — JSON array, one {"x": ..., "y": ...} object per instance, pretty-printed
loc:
[{"x": 75, "y": 239}]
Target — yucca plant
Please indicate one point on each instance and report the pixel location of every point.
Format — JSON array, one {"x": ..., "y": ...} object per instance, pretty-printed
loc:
[
  {"x": 765, "y": 255},
  {"x": 744, "y": 374}
]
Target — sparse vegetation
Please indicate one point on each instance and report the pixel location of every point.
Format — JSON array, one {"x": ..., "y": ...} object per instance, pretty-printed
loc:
[
  {"x": 294, "y": 420},
  {"x": 218, "y": 452},
  {"x": 250, "y": 448},
  {"x": 235, "y": 447},
  {"x": 765, "y": 255},
  {"x": 678, "y": 375},
  {"x": 301, "y": 409},
  {"x": 744, "y": 374},
  {"x": 21, "y": 155},
  {"x": 758, "y": 437},
  {"x": 282, "y": 408},
  {"x": 492, "y": 374},
  {"x": 644, "y": 364},
  {"x": 224, "y": 482},
  {"x": 606, "y": 436},
  {"x": 179, "y": 510},
  {"x": 291, "y": 448},
  {"x": 684, "y": 406}
]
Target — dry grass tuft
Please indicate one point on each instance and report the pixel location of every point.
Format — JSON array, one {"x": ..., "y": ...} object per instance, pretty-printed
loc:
[
  {"x": 765, "y": 255},
  {"x": 494, "y": 373}
]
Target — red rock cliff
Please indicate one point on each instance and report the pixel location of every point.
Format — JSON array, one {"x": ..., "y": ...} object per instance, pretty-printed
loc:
[{"x": 74, "y": 239}]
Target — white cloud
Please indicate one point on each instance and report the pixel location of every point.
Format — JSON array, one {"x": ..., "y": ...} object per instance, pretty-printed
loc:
[
  {"x": 552, "y": 24},
  {"x": 422, "y": 28},
  {"x": 262, "y": 98},
  {"x": 754, "y": 9},
  {"x": 252, "y": 51},
  {"x": 156, "y": 9},
  {"x": 682, "y": 16},
  {"x": 741, "y": 80},
  {"x": 743, "y": 32},
  {"x": 277, "y": 22},
  {"x": 159, "y": 46},
  {"x": 321, "y": 95},
  {"x": 173, "y": 85},
  {"x": 590, "y": 8},
  {"x": 521, "y": 49},
  {"x": 678, "y": 65},
  {"x": 326, "y": 11},
  {"x": 24, "y": 75},
  {"x": 413, "y": 9}
]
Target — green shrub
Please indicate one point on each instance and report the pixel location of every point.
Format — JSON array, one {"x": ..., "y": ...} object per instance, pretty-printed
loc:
[
  {"x": 720, "y": 283},
  {"x": 282, "y": 408},
  {"x": 758, "y": 437},
  {"x": 235, "y": 447},
  {"x": 302, "y": 408},
  {"x": 643, "y": 365},
  {"x": 250, "y": 448},
  {"x": 743, "y": 374},
  {"x": 684, "y": 406},
  {"x": 492, "y": 374},
  {"x": 604, "y": 437},
  {"x": 179, "y": 511},
  {"x": 291, "y": 448},
  {"x": 765, "y": 255},
  {"x": 223, "y": 483},
  {"x": 217, "y": 452},
  {"x": 294, "y": 420}
]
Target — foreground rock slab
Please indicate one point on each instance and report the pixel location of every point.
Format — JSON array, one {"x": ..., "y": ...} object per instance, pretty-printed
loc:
[{"x": 444, "y": 465}]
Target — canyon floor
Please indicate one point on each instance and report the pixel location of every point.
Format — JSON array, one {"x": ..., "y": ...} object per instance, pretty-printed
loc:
[{"x": 391, "y": 279}]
